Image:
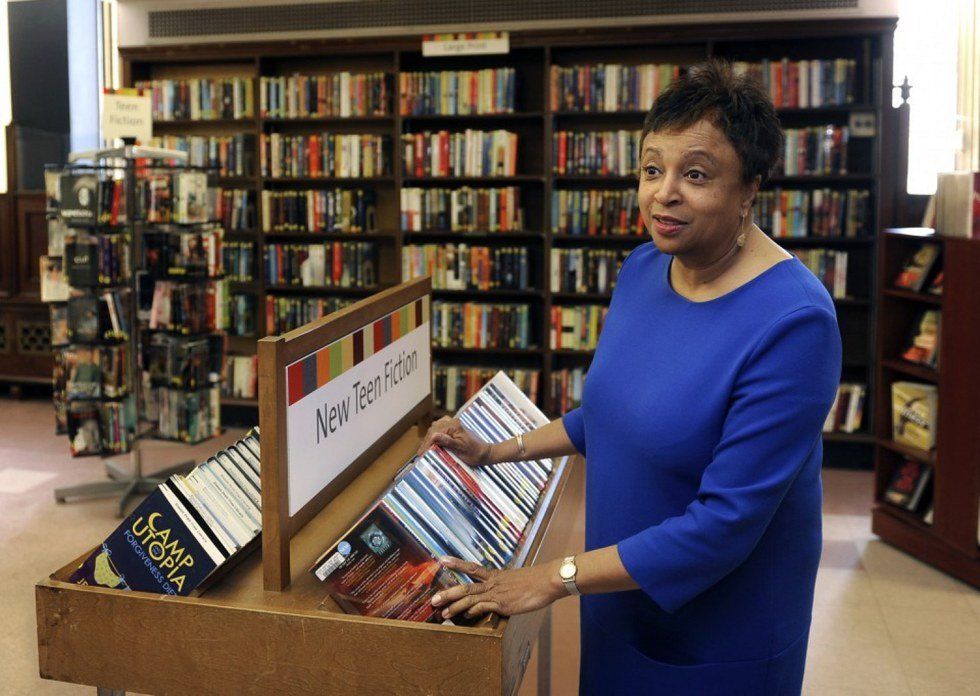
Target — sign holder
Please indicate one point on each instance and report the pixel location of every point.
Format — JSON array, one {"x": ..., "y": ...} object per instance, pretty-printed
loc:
[{"x": 239, "y": 637}]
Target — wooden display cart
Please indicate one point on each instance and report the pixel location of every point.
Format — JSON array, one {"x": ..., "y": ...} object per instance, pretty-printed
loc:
[
  {"x": 950, "y": 542},
  {"x": 267, "y": 626}
]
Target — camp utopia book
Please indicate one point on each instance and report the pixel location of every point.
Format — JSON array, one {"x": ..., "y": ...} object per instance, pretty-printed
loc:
[
  {"x": 184, "y": 530},
  {"x": 387, "y": 564}
]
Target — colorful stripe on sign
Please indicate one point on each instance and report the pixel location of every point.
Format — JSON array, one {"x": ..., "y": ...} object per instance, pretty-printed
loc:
[{"x": 305, "y": 376}]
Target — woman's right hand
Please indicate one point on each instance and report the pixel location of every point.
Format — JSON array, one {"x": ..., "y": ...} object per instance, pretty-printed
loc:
[{"x": 450, "y": 434}]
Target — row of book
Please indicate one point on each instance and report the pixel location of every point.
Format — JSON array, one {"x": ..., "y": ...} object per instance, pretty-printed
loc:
[
  {"x": 179, "y": 197},
  {"x": 187, "y": 416},
  {"x": 340, "y": 95},
  {"x": 94, "y": 372},
  {"x": 241, "y": 377},
  {"x": 595, "y": 212},
  {"x": 585, "y": 270},
  {"x": 92, "y": 260},
  {"x": 803, "y": 84},
  {"x": 846, "y": 413},
  {"x": 333, "y": 210},
  {"x": 189, "y": 308},
  {"x": 339, "y": 264},
  {"x": 239, "y": 261},
  {"x": 454, "y": 385},
  {"x": 481, "y": 325},
  {"x": 200, "y": 99},
  {"x": 186, "y": 529},
  {"x": 179, "y": 252},
  {"x": 609, "y": 87},
  {"x": 85, "y": 318},
  {"x": 285, "y": 313},
  {"x": 461, "y": 210},
  {"x": 387, "y": 564},
  {"x": 465, "y": 267},
  {"x": 814, "y": 213},
  {"x": 830, "y": 268},
  {"x": 224, "y": 155},
  {"x": 97, "y": 427},
  {"x": 565, "y": 388},
  {"x": 458, "y": 92},
  {"x": 183, "y": 362},
  {"x": 470, "y": 153},
  {"x": 325, "y": 155},
  {"x": 234, "y": 209},
  {"x": 601, "y": 153},
  {"x": 815, "y": 150},
  {"x": 242, "y": 319},
  {"x": 576, "y": 327}
]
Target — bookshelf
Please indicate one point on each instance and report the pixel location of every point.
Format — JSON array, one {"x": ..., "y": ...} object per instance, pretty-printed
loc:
[
  {"x": 950, "y": 543},
  {"x": 533, "y": 54}
]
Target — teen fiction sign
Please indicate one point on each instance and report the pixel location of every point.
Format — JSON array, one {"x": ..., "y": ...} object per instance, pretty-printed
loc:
[{"x": 346, "y": 395}]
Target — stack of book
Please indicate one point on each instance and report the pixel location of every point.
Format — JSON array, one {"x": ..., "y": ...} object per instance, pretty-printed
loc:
[
  {"x": 338, "y": 264},
  {"x": 479, "y": 325},
  {"x": 387, "y": 564},
  {"x": 457, "y": 93},
  {"x": 803, "y": 84},
  {"x": 339, "y": 95},
  {"x": 201, "y": 99},
  {"x": 465, "y": 267},
  {"x": 239, "y": 261},
  {"x": 846, "y": 414},
  {"x": 602, "y": 87},
  {"x": 336, "y": 210},
  {"x": 325, "y": 155},
  {"x": 228, "y": 155},
  {"x": 186, "y": 530},
  {"x": 595, "y": 212},
  {"x": 470, "y": 153},
  {"x": 601, "y": 153},
  {"x": 233, "y": 208},
  {"x": 585, "y": 270},
  {"x": 815, "y": 150},
  {"x": 816, "y": 213},
  {"x": 461, "y": 210},
  {"x": 454, "y": 385},
  {"x": 284, "y": 314}
]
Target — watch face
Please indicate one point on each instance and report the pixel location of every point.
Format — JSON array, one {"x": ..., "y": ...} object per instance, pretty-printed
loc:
[{"x": 567, "y": 571}]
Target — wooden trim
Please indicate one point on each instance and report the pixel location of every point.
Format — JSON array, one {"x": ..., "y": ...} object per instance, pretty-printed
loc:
[{"x": 275, "y": 354}]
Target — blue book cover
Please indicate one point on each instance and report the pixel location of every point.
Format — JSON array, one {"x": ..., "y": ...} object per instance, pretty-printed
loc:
[{"x": 154, "y": 550}]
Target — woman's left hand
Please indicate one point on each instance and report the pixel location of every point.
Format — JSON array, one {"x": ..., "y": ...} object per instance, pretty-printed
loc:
[{"x": 506, "y": 592}]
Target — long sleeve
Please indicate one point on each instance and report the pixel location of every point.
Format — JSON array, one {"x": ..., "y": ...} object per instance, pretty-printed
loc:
[
  {"x": 779, "y": 402},
  {"x": 574, "y": 423}
]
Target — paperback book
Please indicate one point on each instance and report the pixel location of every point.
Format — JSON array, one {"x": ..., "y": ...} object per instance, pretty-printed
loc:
[
  {"x": 914, "y": 414},
  {"x": 387, "y": 564},
  {"x": 186, "y": 529},
  {"x": 924, "y": 345},
  {"x": 915, "y": 272},
  {"x": 908, "y": 485}
]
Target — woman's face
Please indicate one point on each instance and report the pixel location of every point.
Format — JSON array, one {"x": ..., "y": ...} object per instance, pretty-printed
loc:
[{"x": 691, "y": 191}]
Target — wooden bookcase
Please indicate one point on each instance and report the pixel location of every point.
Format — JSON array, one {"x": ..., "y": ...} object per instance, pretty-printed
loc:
[
  {"x": 867, "y": 41},
  {"x": 950, "y": 542}
]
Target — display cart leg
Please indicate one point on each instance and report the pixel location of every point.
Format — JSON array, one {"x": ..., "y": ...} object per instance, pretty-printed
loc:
[
  {"x": 87, "y": 491},
  {"x": 116, "y": 471},
  {"x": 544, "y": 655}
]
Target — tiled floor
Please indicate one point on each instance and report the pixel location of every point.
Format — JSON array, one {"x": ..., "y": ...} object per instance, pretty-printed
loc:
[{"x": 883, "y": 622}]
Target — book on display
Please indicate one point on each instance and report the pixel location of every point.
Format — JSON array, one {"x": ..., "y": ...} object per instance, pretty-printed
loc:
[
  {"x": 186, "y": 529},
  {"x": 387, "y": 564}
]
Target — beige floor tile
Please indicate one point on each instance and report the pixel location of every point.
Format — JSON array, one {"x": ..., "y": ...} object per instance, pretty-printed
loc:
[
  {"x": 842, "y": 554},
  {"x": 952, "y": 631},
  {"x": 837, "y": 527},
  {"x": 934, "y": 671},
  {"x": 848, "y": 623},
  {"x": 835, "y": 665},
  {"x": 900, "y": 580},
  {"x": 843, "y": 586}
]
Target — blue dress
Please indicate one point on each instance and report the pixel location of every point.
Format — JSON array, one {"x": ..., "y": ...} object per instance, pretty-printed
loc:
[{"x": 701, "y": 426}]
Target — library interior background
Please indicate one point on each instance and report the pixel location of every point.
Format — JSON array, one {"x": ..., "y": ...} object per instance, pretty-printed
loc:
[{"x": 213, "y": 210}]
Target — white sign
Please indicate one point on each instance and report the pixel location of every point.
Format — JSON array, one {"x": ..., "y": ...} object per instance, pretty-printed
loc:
[
  {"x": 466, "y": 47},
  {"x": 127, "y": 116},
  {"x": 330, "y": 427}
]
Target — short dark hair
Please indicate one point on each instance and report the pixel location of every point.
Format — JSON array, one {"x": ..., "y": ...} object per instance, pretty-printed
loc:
[{"x": 734, "y": 103}]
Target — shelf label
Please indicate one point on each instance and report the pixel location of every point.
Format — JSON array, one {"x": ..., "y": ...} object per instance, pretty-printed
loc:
[
  {"x": 127, "y": 115},
  {"x": 467, "y": 45}
]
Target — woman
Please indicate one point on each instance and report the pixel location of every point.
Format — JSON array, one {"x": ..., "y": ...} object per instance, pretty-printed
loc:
[{"x": 701, "y": 419}]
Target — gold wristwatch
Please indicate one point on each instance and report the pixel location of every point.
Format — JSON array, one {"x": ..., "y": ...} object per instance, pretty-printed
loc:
[{"x": 567, "y": 573}]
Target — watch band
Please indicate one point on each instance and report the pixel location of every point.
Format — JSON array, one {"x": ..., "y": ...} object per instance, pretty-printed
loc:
[
  {"x": 569, "y": 581},
  {"x": 520, "y": 444}
]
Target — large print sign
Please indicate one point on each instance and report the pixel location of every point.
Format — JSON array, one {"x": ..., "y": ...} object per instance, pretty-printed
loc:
[{"x": 345, "y": 396}]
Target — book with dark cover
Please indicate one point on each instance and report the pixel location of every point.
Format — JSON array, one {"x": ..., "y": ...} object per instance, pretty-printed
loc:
[
  {"x": 82, "y": 261},
  {"x": 154, "y": 550},
  {"x": 924, "y": 345},
  {"x": 79, "y": 199},
  {"x": 84, "y": 431},
  {"x": 908, "y": 484},
  {"x": 85, "y": 319},
  {"x": 918, "y": 267}
]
